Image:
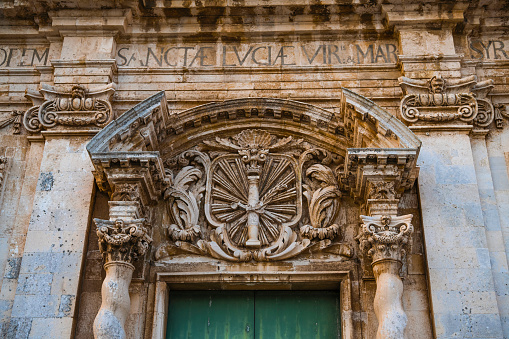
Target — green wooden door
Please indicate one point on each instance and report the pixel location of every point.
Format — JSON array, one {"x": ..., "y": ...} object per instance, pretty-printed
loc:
[
  {"x": 254, "y": 315},
  {"x": 297, "y": 315},
  {"x": 211, "y": 315}
]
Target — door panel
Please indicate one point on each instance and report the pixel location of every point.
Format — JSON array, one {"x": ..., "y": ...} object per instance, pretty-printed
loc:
[
  {"x": 297, "y": 315},
  {"x": 211, "y": 315},
  {"x": 254, "y": 315}
]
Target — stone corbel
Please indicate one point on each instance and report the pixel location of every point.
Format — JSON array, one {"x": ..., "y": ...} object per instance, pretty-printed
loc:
[
  {"x": 122, "y": 240},
  {"x": 75, "y": 108},
  {"x": 377, "y": 178}
]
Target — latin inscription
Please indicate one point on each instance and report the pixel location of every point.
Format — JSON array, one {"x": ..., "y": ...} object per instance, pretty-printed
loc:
[
  {"x": 23, "y": 56},
  {"x": 489, "y": 49},
  {"x": 256, "y": 55}
]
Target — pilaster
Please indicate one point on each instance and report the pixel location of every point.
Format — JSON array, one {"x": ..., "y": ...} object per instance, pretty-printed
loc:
[
  {"x": 426, "y": 37},
  {"x": 444, "y": 113},
  {"x": 88, "y": 45}
]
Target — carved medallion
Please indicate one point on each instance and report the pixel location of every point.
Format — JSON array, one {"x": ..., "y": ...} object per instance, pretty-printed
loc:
[{"x": 251, "y": 188}]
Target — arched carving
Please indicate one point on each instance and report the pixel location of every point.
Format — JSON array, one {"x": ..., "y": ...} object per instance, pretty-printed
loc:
[{"x": 256, "y": 179}]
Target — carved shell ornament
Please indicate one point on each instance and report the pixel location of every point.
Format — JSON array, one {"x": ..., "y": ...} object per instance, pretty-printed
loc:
[{"x": 241, "y": 198}]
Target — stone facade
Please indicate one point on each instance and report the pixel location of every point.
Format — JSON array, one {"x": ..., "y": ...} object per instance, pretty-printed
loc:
[{"x": 147, "y": 146}]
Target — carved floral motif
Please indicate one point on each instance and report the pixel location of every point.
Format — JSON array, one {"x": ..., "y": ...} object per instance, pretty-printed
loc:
[
  {"x": 122, "y": 240},
  {"x": 252, "y": 189},
  {"x": 385, "y": 237}
]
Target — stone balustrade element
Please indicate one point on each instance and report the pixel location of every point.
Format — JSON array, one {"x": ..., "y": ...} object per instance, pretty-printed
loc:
[
  {"x": 385, "y": 240},
  {"x": 121, "y": 242}
]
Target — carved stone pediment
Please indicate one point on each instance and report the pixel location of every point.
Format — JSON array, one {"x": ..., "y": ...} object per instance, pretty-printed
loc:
[
  {"x": 77, "y": 107},
  {"x": 265, "y": 187}
]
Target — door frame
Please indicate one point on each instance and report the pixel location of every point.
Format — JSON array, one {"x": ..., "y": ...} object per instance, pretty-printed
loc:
[{"x": 319, "y": 280}]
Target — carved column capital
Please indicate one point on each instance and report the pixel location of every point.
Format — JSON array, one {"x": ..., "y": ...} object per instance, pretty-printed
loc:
[
  {"x": 385, "y": 237},
  {"x": 123, "y": 241}
]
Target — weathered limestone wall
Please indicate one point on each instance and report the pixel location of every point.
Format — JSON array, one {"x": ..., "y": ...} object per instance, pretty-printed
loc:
[{"x": 456, "y": 281}]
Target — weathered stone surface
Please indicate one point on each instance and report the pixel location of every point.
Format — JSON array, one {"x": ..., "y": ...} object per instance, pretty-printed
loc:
[{"x": 214, "y": 61}]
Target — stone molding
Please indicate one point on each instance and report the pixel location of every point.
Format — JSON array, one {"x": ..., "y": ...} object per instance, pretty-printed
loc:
[
  {"x": 69, "y": 109},
  {"x": 439, "y": 102},
  {"x": 377, "y": 178}
]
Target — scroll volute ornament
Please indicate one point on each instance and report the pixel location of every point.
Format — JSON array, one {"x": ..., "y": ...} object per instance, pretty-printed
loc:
[
  {"x": 438, "y": 100},
  {"x": 69, "y": 108}
]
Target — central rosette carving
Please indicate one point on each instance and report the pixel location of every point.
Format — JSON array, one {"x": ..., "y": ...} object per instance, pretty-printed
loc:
[{"x": 250, "y": 189}]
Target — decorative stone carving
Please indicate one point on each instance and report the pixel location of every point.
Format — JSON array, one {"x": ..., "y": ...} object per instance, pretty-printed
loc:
[
  {"x": 121, "y": 240},
  {"x": 438, "y": 100},
  {"x": 251, "y": 187},
  {"x": 385, "y": 239},
  {"x": 15, "y": 120},
  {"x": 500, "y": 112},
  {"x": 75, "y": 108},
  {"x": 323, "y": 202},
  {"x": 3, "y": 165}
]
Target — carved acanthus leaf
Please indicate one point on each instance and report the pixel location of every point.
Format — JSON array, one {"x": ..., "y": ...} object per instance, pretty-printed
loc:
[
  {"x": 122, "y": 240},
  {"x": 323, "y": 204},
  {"x": 184, "y": 200},
  {"x": 385, "y": 237}
]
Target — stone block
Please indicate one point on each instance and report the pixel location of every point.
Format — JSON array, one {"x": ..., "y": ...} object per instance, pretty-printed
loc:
[
  {"x": 54, "y": 241},
  {"x": 479, "y": 280},
  {"x": 51, "y": 328},
  {"x": 18, "y": 328},
  {"x": 499, "y": 171},
  {"x": 12, "y": 268},
  {"x": 67, "y": 303},
  {"x": 36, "y": 306},
  {"x": 34, "y": 284}
]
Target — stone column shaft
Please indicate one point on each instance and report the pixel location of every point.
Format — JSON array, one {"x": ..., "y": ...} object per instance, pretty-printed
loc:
[
  {"x": 385, "y": 240},
  {"x": 121, "y": 240}
]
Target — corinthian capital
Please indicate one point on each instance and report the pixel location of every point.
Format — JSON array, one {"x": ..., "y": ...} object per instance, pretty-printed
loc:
[
  {"x": 385, "y": 237},
  {"x": 121, "y": 240}
]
